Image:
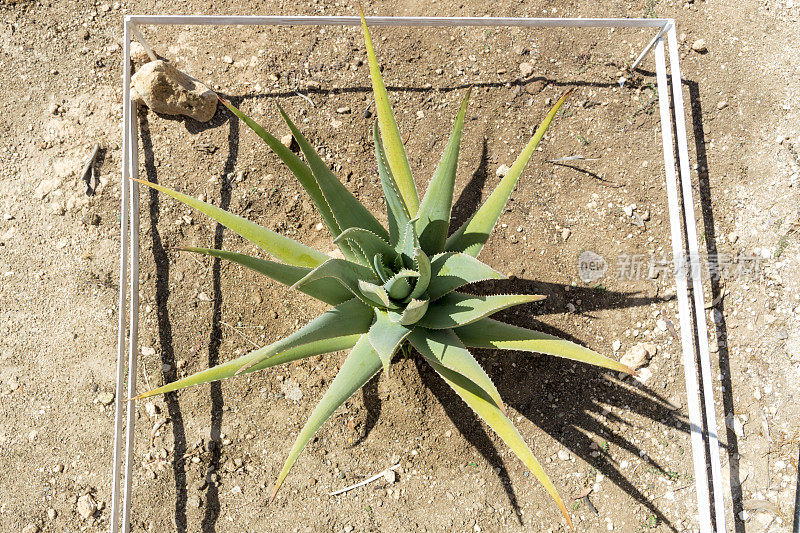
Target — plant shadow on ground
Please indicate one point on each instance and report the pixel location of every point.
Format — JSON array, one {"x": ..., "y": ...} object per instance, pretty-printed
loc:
[{"x": 523, "y": 393}]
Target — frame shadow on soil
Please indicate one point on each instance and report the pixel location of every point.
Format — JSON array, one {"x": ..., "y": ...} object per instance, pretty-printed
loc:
[
  {"x": 717, "y": 301},
  {"x": 574, "y": 407},
  {"x": 169, "y": 372}
]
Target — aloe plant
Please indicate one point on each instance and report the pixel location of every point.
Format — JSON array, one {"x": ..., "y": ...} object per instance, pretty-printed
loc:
[{"x": 393, "y": 288}]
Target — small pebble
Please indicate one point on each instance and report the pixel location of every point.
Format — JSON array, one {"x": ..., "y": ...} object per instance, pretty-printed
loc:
[
  {"x": 390, "y": 476},
  {"x": 616, "y": 345},
  {"x": 343, "y": 110},
  {"x": 86, "y": 506},
  {"x": 502, "y": 170},
  {"x": 287, "y": 140},
  {"x": 722, "y": 104},
  {"x": 699, "y": 46},
  {"x": 638, "y": 355},
  {"x": 31, "y": 528},
  {"x": 105, "y": 397},
  {"x": 525, "y": 69},
  {"x": 51, "y": 514}
]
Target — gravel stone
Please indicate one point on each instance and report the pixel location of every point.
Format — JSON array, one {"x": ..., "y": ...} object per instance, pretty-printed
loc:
[
  {"x": 86, "y": 506},
  {"x": 700, "y": 46}
]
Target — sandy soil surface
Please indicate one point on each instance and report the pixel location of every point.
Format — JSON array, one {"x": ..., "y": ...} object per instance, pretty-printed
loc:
[{"x": 206, "y": 458}]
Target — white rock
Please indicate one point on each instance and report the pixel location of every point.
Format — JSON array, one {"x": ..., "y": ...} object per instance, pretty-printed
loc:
[
  {"x": 525, "y": 69},
  {"x": 139, "y": 55},
  {"x": 722, "y": 104},
  {"x": 502, "y": 170},
  {"x": 151, "y": 409},
  {"x": 733, "y": 237},
  {"x": 616, "y": 345},
  {"x": 638, "y": 355},
  {"x": 45, "y": 187},
  {"x": 565, "y": 233},
  {"x": 563, "y": 455},
  {"x": 343, "y": 110},
  {"x": 287, "y": 140},
  {"x": 390, "y": 476},
  {"x": 661, "y": 324},
  {"x": 148, "y": 351},
  {"x": 699, "y": 46},
  {"x": 105, "y": 397},
  {"x": 86, "y": 506},
  {"x": 291, "y": 390},
  {"x": 165, "y": 89},
  {"x": 643, "y": 375}
]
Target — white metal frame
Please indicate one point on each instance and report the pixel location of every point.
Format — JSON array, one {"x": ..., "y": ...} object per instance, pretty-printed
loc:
[{"x": 681, "y": 216}]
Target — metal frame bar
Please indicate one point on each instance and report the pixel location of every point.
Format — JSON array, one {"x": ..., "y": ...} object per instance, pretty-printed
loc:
[{"x": 680, "y": 221}]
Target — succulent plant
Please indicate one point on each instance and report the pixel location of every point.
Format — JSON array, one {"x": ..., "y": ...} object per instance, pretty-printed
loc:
[{"x": 393, "y": 288}]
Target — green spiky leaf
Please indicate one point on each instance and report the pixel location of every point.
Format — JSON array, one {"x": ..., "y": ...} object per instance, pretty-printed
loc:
[
  {"x": 471, "y": 237},
  {"x": 483, "y": 405},
  {"x": 399, "y": 286},
  {"x": 386, "y": 335},
  {"x": 369, "y": 243},
  {"x": 489, "y": 333},
  {"x": 327, "y": 290},
  {"x": 414, "y": 311},
  {"x": 336, "y": 329},
  {"x": 375, "y": 295},
  {"x": 348, "y": 211},
  {"x": 359, "y": 367},
  {"x": 296, "y": 165},
  {"x": 434, "y": 211},
  {"x": 283, "y": 248},
  {"x": 423, "y": 265},
  {"x": 396, "y": 210},
  {"x": 347, "y": 273},
  {"x": 449, "y": 271},
  {"x": 457, "y": 309},
  {"x": 446, "y": 348},
  {"x": 395, "y": 152}
]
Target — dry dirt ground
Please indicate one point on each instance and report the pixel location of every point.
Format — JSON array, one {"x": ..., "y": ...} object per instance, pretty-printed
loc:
[{"x": 211, "y": 464}]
